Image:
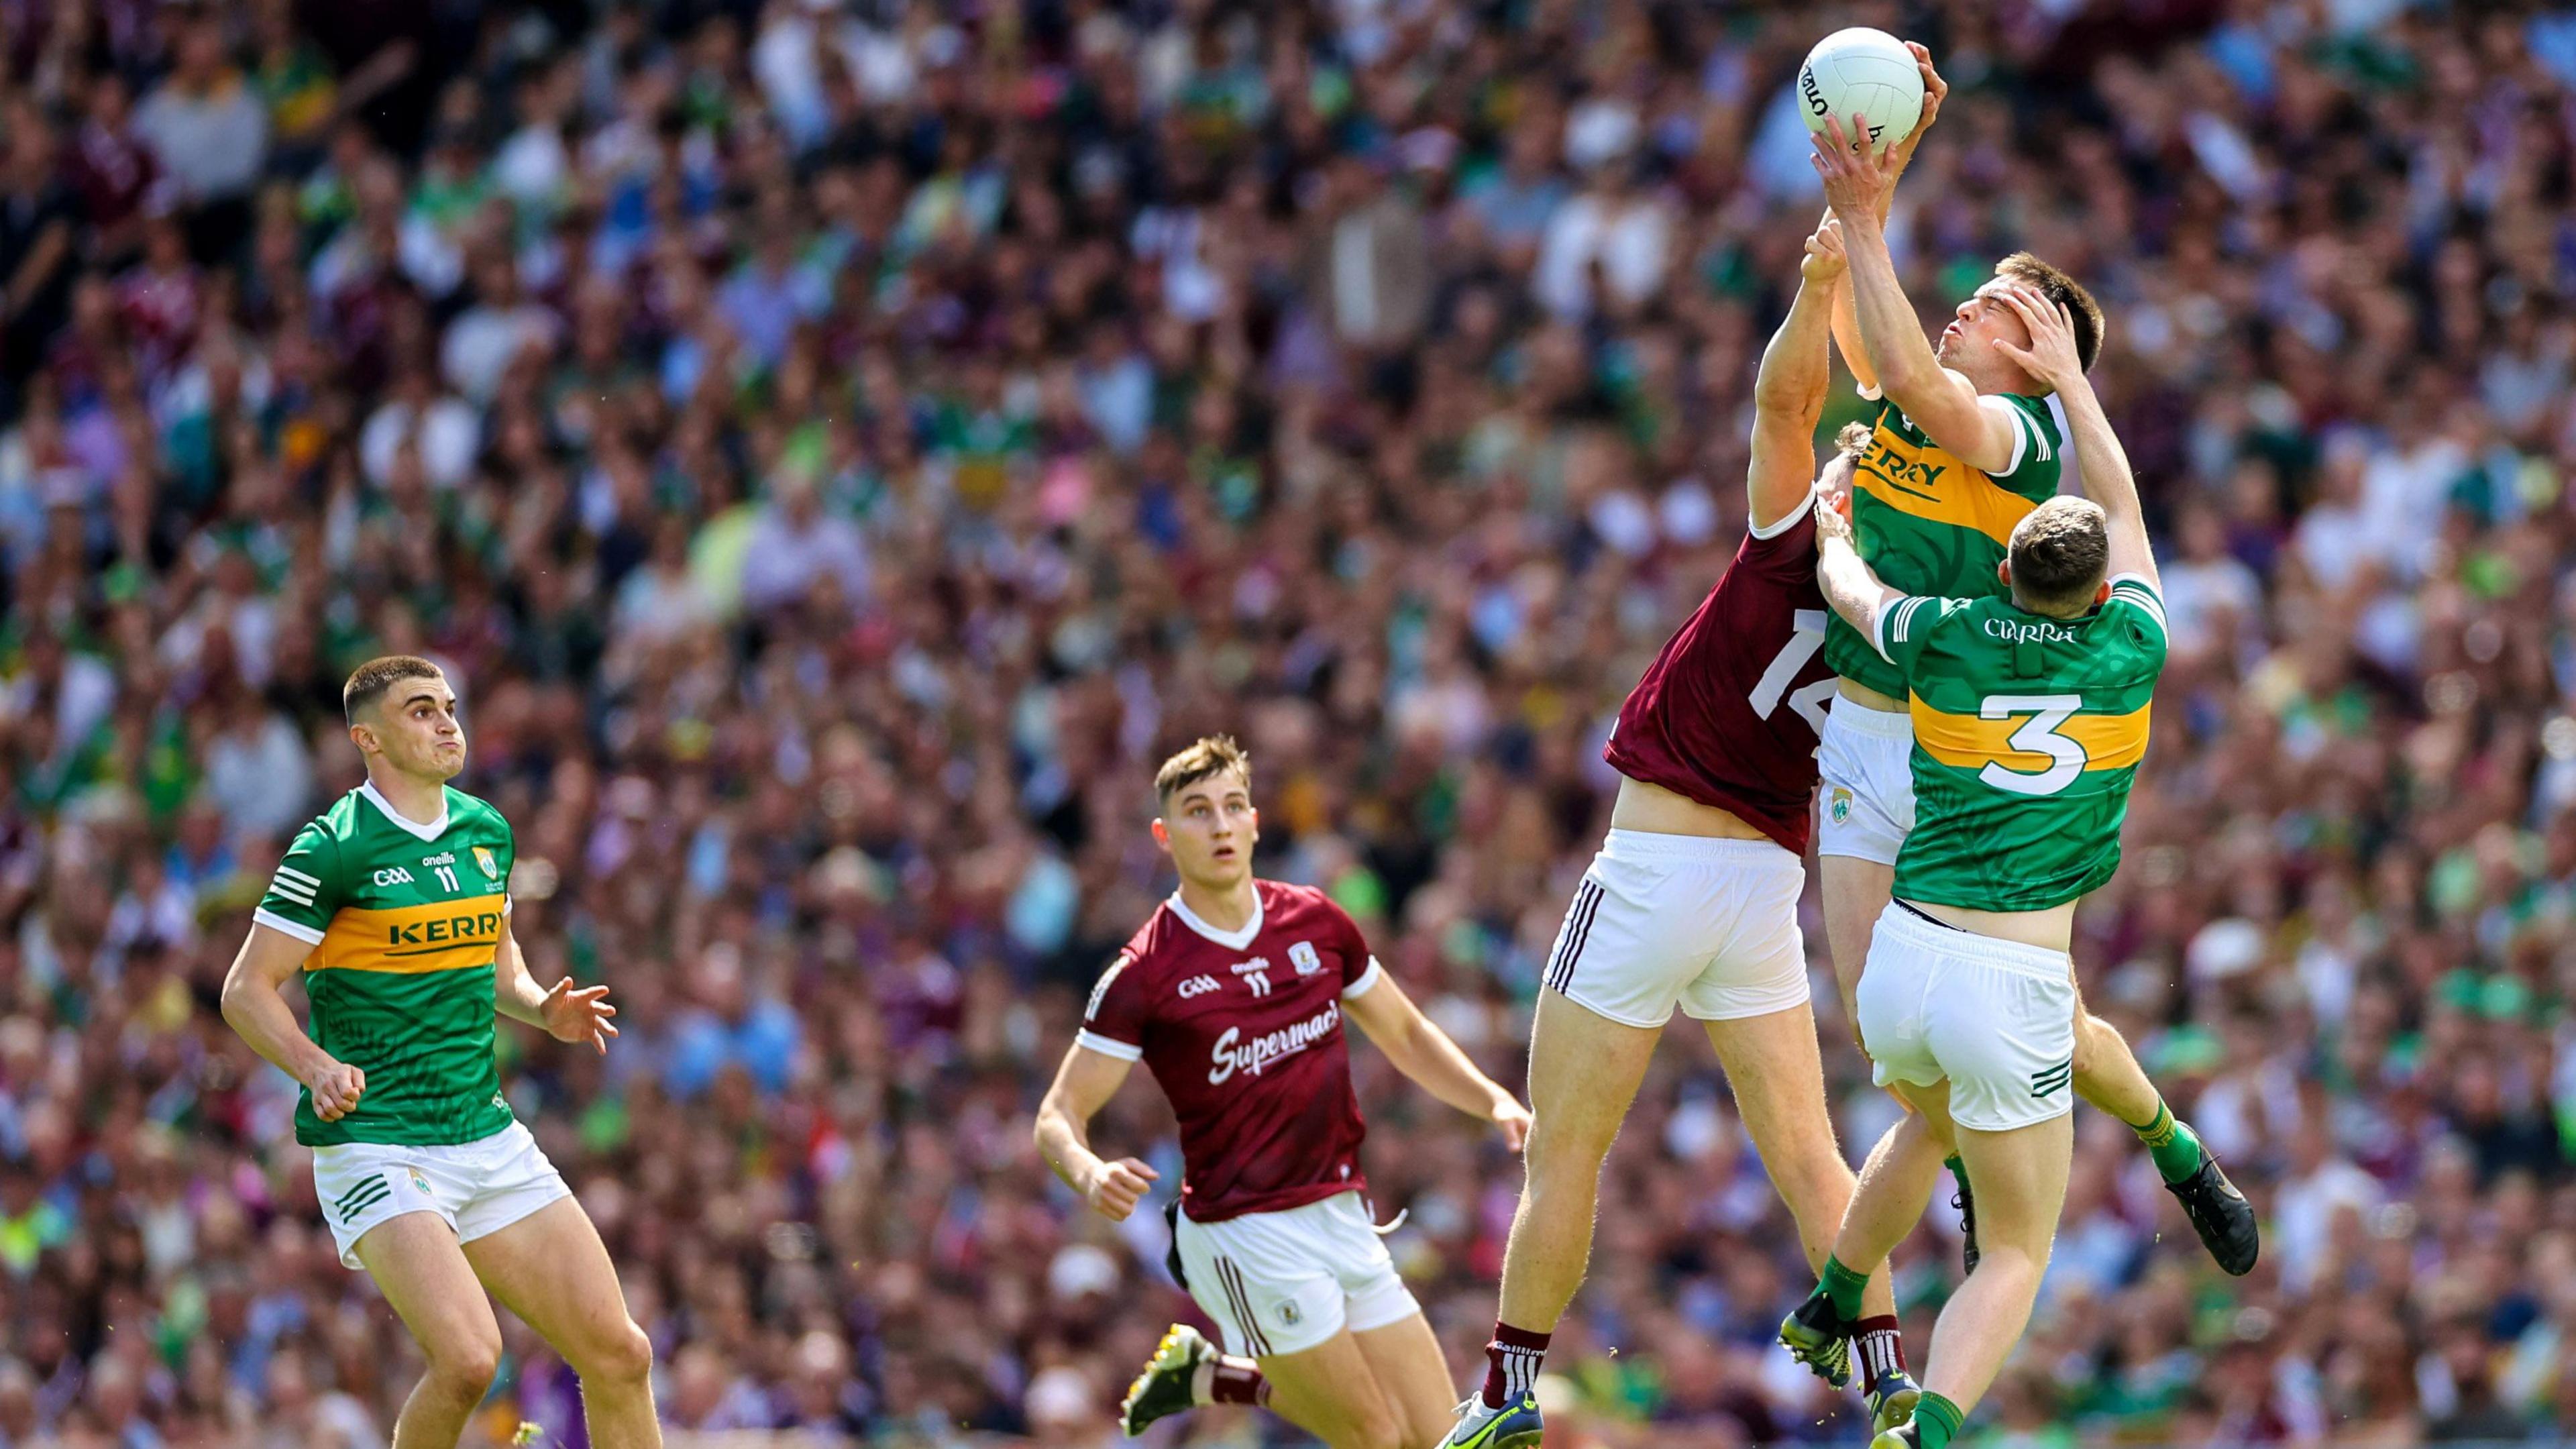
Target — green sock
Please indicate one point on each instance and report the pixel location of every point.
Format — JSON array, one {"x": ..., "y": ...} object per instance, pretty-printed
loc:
[
  {"x": 1843, "y": 1286},
  {"x": 1958, "y": 1169},
  {"x": 1936, "y": 1420},
  {"x": 2176, "y": 1150}
]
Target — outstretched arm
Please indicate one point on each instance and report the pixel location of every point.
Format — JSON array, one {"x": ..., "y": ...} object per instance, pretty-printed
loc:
[
  {"x": 1789, "y": 392},
  {"x": 1941, "y": 402},
  {"x": 1850, "y": 589},
  {"x": 1846, "y": 320},
  {"x": 2108, "y": 480},
  {"x": 1083, "y": 1085},
  {"x": 1422, "y": 1051}
]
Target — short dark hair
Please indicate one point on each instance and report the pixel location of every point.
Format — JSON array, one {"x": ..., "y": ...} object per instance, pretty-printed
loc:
[
  {"x": 2065, "y": 291},
  {"x": 2059, "y": 554},
  {"x": 1210, "y": 755},
  {"x": 374, "y": 677}
]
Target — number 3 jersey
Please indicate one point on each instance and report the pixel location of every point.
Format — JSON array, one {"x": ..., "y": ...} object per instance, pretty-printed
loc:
[
  {"x": 1243, "y": 1030},
  {"x": 404, "y": 920},
  {"x": 1728, "y": 713},
  {"x": 2027, "y": 735}
]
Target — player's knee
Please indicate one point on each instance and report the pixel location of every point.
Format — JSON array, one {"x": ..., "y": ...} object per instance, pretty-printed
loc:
[
  {"x": 1376, "y": 1429},
  {"x": 2089, "y": 1046},
  {"x": 621, "y": 1355},
  {"x": 1558, "y": 1149},
  {"x": 464, "y": 1366}
]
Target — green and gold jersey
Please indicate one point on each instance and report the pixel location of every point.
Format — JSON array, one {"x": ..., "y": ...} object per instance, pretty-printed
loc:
[
  {"x": 1929, "y": 524},
  {"x": 2027, "y": 734},
  {"x": 404, "y": 920}
]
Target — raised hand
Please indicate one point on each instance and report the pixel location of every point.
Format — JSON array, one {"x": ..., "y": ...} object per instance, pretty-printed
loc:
[
  {"x": 1935, "y": 91},
  {"x": 1824, "y": 260},
  {"x": 1854, "y": 176},
  {"x": 579, "y": 1014}
]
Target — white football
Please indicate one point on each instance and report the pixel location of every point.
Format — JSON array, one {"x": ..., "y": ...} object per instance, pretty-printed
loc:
[{"x": 1865, "y": 71}]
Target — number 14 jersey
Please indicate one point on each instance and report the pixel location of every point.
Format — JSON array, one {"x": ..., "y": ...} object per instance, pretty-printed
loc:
[
  {"x": 2028, "y": 731},
  {"x": 1729, "y": 712},
  {"x": 404, "y": 919}
]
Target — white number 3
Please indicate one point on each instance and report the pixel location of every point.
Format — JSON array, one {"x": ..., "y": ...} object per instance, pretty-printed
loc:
[
  {"x": 2037, "y": 736},
  {"x": 1804, "y": 641}
]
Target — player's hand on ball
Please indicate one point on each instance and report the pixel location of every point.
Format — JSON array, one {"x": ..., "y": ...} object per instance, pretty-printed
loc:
[
  {"x": 1853, "y": 175},
  {"x": 2051, "y": 356},
  {"x": 1935, "y": 90},
  {"x": 579, "y": 1014},
  {"x": 336, "y": 1088},
  {"x": 1116, "y": 1187},
  {"x": 1824, "y": 260},
  {"x": 1514, "y": 1121}
]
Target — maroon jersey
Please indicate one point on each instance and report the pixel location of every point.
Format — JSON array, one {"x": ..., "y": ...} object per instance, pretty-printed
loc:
[
  {"x": 1728, "y": 714},
  {"x": 1243, "y": 1030}
]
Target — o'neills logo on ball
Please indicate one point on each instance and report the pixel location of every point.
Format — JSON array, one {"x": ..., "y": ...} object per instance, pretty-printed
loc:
[
  {"x": 1807, "y": 87},
  {"x": 1232, "y": 1054}
]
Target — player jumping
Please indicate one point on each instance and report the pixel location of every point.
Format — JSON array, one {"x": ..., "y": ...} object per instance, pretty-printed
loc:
[
  {"x": 1233, "y": 995},
  {"x": 1964, "y": 446},
  {"x": 2029, "y": 718},
  {"x": 1693, "y": 901},
  {"x": 394, "y": 904}
]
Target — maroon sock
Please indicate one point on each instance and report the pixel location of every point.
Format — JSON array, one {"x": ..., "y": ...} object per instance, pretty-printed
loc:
[
  {"x": 1511, "y": 1363},
  {"x": 1238, "y": 1381},
  {"x": 1880, "y": 1347}
]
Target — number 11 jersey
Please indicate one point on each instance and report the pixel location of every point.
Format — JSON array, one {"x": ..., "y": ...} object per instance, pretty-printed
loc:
[
  {"x": 1729, "y": 712},
  {"x": 404, "y": 919}
]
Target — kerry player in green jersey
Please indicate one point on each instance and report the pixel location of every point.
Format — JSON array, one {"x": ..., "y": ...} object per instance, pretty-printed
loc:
[
  {"x": 2029, "y": 719},
  {"x": 394, "y": 906},
  {"x": 1965, "y": 444}
]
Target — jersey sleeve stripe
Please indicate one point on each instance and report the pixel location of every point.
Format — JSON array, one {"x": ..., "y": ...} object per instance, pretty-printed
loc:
[
  {"x": 284, "y": 927},
  {"x": 1368, "y": 981},
  {"x": 1881, "y": 628},
  {"x": 288, "y": 872},
  {"x": 1094, "y": 1041},
  {"x": 2021, "y": 433},
  {"x": 2139, "y": 583},
  {"x": 2038, "y": 435},
  {"x": 292, "y": 895}
]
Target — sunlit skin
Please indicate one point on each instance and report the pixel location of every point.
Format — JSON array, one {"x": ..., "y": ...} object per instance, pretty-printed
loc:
[
  {"x": 1985, "y": 319},
  {"x": 1208, "y": 828},
  {"x": 413, "y": 732}
]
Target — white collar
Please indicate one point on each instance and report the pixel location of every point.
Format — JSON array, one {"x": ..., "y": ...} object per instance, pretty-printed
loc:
[
  {"x": 1231, "y": 940},
  {"x": 431, "y": 831}
]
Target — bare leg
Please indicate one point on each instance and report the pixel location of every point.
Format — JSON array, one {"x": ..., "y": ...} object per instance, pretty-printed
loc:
[
  {"x": 423, "y": 1274},
  {"x": 1331, "y": 1392},
  {"x": 1405, "y": 1358},
  {"x": 1778, "y": 1077},
  {"x": 2021, "y": 1190},
  {"x": 1895, "y": 1184},
  {"x": 551, "y": 1269},
  {"x": 1584, "y": 1071}
]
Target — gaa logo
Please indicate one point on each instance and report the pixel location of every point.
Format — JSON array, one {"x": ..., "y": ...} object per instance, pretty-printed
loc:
[{"x": 1841, "y": 806}]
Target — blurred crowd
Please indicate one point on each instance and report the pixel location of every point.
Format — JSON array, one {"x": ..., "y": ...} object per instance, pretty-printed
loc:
[{"x": 837, "y": 446}]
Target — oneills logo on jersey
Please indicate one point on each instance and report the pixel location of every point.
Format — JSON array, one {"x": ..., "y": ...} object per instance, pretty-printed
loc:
[{"x": 1234, "y": 1054}]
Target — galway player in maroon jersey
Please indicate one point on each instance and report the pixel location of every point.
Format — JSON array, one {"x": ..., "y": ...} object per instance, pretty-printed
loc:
[
  {"x": 1693, "y": 899},
  {"x": 1233, "y": 996}
]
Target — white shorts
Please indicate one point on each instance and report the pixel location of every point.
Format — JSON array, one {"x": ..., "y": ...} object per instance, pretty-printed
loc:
[
  {"x": 1865, "y": 782},
  {"x": 1284, "y": 1282},
  {"x": 477, "y": 1188},
  {"x": 1661, "y": 921},
  {"x": 1995, "y": 1018}
]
